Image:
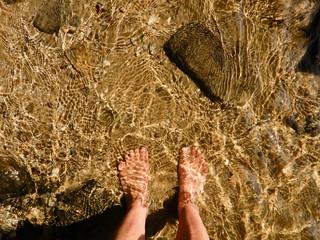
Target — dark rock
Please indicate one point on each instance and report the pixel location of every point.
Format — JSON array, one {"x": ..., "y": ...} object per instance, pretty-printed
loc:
[
  {"x": 15, "y": 181},
  {"x": 312, "y": 126},
  {"x": 12, "y": 1},
  {"x": 107, "y": 116},
  {"x": 310, "y": 61},
  {"x": 81, "y": 203},
  {"x": 296, "y": 124},
  {"x": 199, "y": 53},
  {"x": 309, "y": 124},
  {"x": 50, "y": 16},
  {"x": 283, "y": 220}
]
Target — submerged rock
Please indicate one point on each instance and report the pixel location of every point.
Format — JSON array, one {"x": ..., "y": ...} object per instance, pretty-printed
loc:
[
  {"x": 310, "y": 62},
  {"x": 50, "y": 16},
  {"x": 199, "y": 50},
  {"x": 55, "y": 114},
  {"x": 12, "y": 1},
  {"x": 199, "y": 53},
  {"x": 108, "y": 117},
  {"x": 15, "y": 181},
  {"x": 81, "y": 203}
]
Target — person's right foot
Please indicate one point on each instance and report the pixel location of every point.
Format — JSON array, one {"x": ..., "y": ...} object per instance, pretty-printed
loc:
[
  {"x": 133, "y": 173},
  {"x": 192, "y": 175}
]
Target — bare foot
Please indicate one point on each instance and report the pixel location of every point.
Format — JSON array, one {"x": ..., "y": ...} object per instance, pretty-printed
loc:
[
  {"x": 133, "y": 173},
  {"x": 192, "y": 175}
]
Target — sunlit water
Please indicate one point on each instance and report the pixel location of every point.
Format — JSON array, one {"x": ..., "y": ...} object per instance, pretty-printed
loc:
[{"x": 83, "y": 82}]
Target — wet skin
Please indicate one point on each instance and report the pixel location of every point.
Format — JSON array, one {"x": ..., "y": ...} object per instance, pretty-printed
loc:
[{"x": 133, "y": 174}]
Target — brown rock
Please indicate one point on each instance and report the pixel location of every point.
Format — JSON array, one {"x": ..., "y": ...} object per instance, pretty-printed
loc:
[
  {"x": 15, "y": 181},
  {"x": 199, "y": 53}
]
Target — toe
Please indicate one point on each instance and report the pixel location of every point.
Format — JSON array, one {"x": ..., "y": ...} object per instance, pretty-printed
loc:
[
  {"x": 137, "y": 155},
  {"x": 186, "y": 151},
  {"x": 194, "y": 152},
  {"x": 193, "y": 155},
  {"x": 184, "y": 154},
  {"x": 204, "y": 169},
  {"x": 199, "y": 158},
  {"x": 121, "y": 165},
  {"x": 144, "y": 154},
  {"x": 199, "y": 154},
  {"x": 131, "y": 155}
]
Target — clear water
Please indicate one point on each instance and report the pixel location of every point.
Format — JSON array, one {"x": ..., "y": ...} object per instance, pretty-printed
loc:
[{"x": 73, "y": 101}]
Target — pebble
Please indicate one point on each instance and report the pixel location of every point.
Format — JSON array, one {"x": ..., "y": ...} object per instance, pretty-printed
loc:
[
  {"x": 132, "y": 124},
  {"x": 145, "y": 47},
  {"x": 106, "y": 63},
  {"x": 152, "y": 48},
  {"x": 226, "y": 162},
  {"x": 55, "y": 172}
]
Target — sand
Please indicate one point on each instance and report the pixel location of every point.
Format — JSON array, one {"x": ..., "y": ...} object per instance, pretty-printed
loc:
[{"x": 83, "y": 82}]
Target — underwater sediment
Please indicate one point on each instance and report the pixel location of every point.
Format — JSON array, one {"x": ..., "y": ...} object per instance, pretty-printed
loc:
[{"x": 82, "y": 83}]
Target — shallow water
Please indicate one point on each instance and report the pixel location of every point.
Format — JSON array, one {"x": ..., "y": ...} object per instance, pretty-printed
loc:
[{"x": 83, "y": 82}]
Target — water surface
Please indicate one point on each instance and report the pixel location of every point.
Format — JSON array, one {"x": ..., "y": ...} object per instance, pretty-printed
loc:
[{"x": 83, "y": 82}]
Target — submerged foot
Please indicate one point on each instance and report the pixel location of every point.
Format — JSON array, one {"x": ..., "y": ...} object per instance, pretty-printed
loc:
[
  {"x": 192, "y": 175},
  {"x": 133, "y": 173}
]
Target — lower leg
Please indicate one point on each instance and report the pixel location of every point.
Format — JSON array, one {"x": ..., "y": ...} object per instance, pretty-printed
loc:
[
  {"x": 133, "y": 224},
  {"x": 190, "y": 224},
  {"x": 192, "y": 175}
]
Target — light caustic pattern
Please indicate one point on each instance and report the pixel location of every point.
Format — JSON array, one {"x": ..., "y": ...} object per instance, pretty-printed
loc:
[{"x": 84, "y": 82}]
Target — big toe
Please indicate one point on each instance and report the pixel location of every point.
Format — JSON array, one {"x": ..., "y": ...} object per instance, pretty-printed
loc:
[
  {"x": 121, "y": 165},
  {"x": 185, "y": 154}
]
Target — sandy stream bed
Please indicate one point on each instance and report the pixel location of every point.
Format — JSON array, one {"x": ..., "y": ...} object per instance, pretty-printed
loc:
[{"x": 83, "y": 82}]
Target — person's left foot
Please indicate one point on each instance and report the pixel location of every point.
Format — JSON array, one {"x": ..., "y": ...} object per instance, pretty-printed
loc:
[{"x": 133, "y": 173}]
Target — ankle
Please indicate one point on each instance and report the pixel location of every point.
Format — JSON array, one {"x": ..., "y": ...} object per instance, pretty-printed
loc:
[
  {"x": 185, "y": 196},
  {"x": 138, "y": 204},
  {"x": 186, "y": 200}
]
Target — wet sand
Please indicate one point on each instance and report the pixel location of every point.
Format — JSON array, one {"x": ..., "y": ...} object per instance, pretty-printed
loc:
[{"x": 82, "y": 83}]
